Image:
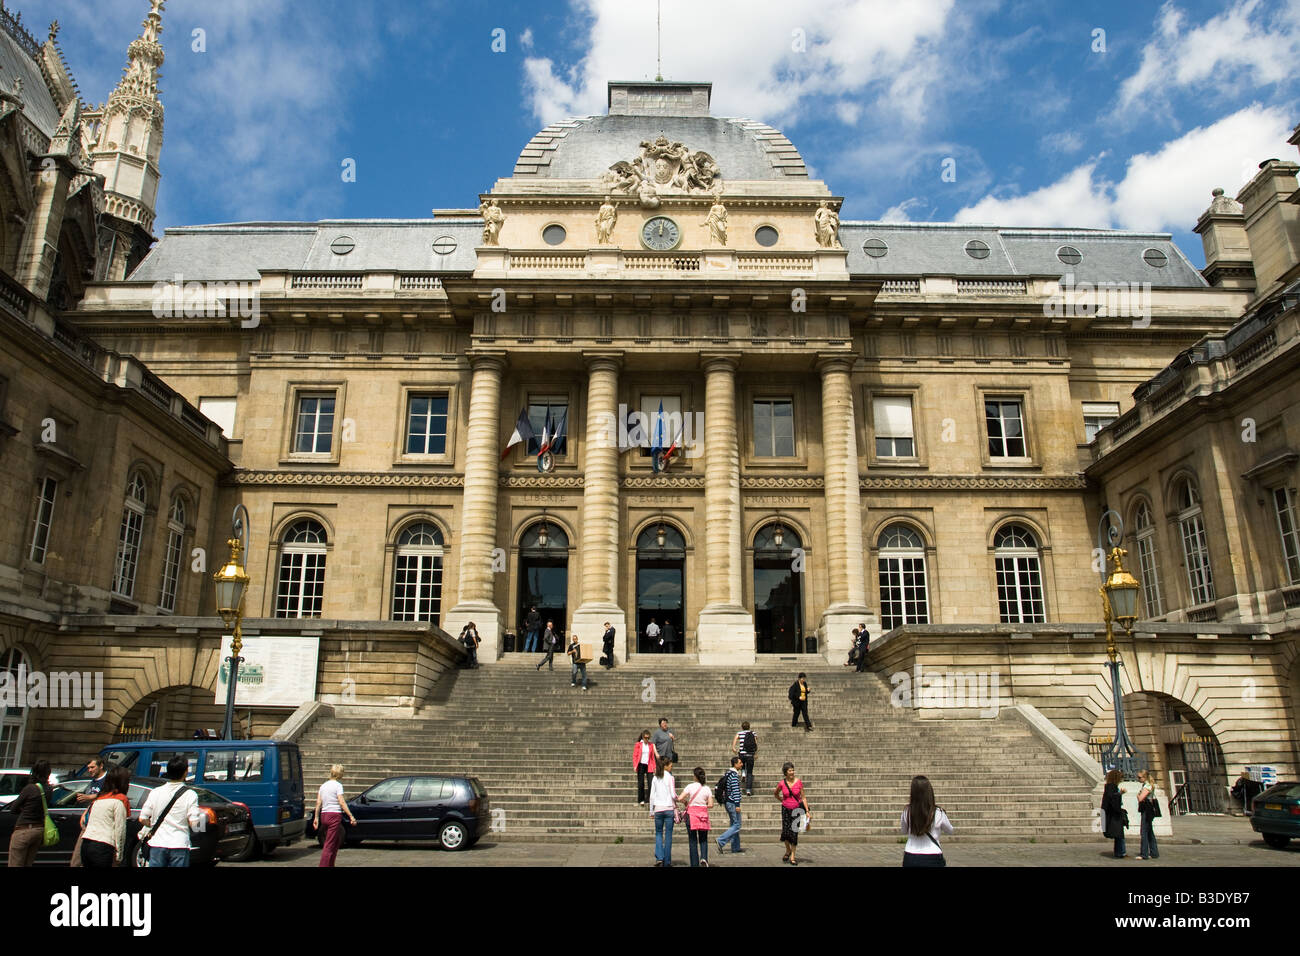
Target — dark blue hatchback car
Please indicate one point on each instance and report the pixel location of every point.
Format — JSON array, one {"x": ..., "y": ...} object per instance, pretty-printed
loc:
[{"x": 452, "y": 811}]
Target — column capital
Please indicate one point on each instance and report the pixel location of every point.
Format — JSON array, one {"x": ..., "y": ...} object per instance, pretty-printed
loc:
[
  {"x": 720, "y": 361},
  {"x": 488, "y": 359},
  {"x": 828, "y": 362},
  {"x": 603, "y": 361}
]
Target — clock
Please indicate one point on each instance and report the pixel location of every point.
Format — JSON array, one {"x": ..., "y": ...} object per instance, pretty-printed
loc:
[{"x": 660, "y": 234}]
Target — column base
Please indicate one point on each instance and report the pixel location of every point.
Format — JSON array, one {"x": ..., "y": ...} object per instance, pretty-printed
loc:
[
  {"x": 725, "y": 636},
  {"x": 835, "y": 629},
  {"x": 588, "y": 622},
  {"x": 486, "y": 618}
]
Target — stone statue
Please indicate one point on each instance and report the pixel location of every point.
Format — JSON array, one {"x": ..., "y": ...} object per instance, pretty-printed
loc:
[
  {"x": 717, "y": 222},
  {"x": 493, "y": 220},
  {"x": 826, "y": 223},
  {"x": 606, "y": 220},
  {"x": 648, "y": 195},
  {"x": 701, "y": 171},
  {"x": 665, "y": 167}
]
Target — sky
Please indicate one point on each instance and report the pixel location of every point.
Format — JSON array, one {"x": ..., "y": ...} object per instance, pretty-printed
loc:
[{"x": 1012, "y": 112}]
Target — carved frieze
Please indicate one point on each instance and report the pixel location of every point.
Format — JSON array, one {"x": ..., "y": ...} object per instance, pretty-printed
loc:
[{"x": 664, "y": 167}]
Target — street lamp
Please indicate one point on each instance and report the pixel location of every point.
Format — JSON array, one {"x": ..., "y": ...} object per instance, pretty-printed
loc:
[
  {"x": 231, "y": 586},
  {"x": 1119, "y": 593},
  {"x": 661, "y": 534},
  {"x": 543, "y": 533},
  {"x": 778, "y": 535}
]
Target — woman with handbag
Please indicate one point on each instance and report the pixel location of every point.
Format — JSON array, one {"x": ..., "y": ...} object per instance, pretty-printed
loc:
[
  {"x": 1112, "y": 805},
  {"x": 795, "y": 815},
  {"x": 643, "y": 762},
  {"x": 698, "y": 798},
  {"x": 104, "y": 836},
  {"x": 331, "y": 806},
  {"x": 663, "y": 804},
  {"x": 29, "y": 829},
  {"x": 1148, "y": 810},
  {"x": 923, "y": 821}
]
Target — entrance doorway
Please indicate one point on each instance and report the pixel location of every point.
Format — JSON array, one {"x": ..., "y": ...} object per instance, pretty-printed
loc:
[
  {"x": 778, "y": 598},
  {"x": 544, "y": 577},
  {"x": 661, "y": 589}
]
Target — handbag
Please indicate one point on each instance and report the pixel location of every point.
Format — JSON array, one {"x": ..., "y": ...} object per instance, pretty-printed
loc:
[{"x": 51, "y": 828}]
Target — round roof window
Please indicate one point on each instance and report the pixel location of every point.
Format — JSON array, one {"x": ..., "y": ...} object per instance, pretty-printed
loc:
[
  {"x": 553, "y": 235},
  {"x": 343, "y": 245},
  {"x": 876, "y": 248},
  {"x": 977, "y": 249},
  {"x": 1069, "y": 255},
  {"x": 765, "y": 236},
  {"x": 444, "y": 245},
  {"x": 1155, "y": 258}
]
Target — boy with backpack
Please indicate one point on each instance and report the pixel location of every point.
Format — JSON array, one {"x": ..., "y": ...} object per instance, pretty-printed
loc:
[
  {"x": 745, "y": 746},
  {"x": 727, "y": 794}
]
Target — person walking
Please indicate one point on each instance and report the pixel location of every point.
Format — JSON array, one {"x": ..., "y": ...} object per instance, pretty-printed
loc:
[
  {"x": 664, "y": 740},
  {"x": 668, "y": 634},
  {"x": 330, "y": 806},
  {"x": 644, "y": 763},
  {"x": 575, "y": 648},
  {"x": 28, "y": 836},
  {"x": 923, "y": 821},
  {"x": 1112, "y": 805},
  {"x": 469, "y": 637},
  {"x": 1148, "y": 810},
  {"x": 532, "y": 628},
  {"x": 745, "y": 746},
  {"x": 799, "y": 701},
  {"x": 173, "y": 810},
  {"x": 607, "y": 642},
  {"x": 663, "y": 805},
  {"x": 652, "y": 636},
  {"x": 103, "y": 836},
  {"x": 795, "y": 814},
  {"x": 697, "y": 799},
  {"x": 731, "y": 788},
  {"x": 550, "y": 641},
  {"x": 864, "y": 647}
]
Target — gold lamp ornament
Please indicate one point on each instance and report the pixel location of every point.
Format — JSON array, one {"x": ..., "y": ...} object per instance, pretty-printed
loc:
[{"x": 231, "y": 586}]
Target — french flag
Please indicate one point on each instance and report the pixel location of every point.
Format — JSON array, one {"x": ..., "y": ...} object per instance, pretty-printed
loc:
[{"x": 523, "y": 432}]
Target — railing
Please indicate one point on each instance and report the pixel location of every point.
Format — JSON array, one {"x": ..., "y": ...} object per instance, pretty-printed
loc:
[
  {"x": 901, "y": 285},
  {"x": 643, "y": 263},
  {"x": 1167, "y": 396},
  {"x": 156, "y": 391},
  {"x": 1254, "y": 349},
  {"x": 760, "y": 263},
  {"x": 991, "y": 286},
  {"x": 426, "y": 283},
  {"x": 1126, "y": 423},
  {"x": 326, "y": 280},
  {"x": 193, "y": 419},
  {"x": 1291, "y": 597},
  {"x": 1203, "y": 614},
  {"x": 13, "y": 297},
  {"x": 542, "y": 260}
]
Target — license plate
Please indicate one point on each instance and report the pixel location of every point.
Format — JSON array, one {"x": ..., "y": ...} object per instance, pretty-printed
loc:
[
  {"x": 1272, "y": 806},
  {"x": 236, "y": 828}
]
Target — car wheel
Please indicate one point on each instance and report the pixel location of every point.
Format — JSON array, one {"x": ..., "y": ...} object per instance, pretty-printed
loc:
[
  {"x": 1277, "y": 840},
  {"x": 453, "y": 836},
  {"x": 139, "y": 858},
  {"x": 249, "y": 852}
]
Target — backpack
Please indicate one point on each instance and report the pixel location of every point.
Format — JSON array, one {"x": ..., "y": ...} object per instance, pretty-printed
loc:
[
  {"x": 749, "y": 743},
  {"x": 720, "y": 791}
]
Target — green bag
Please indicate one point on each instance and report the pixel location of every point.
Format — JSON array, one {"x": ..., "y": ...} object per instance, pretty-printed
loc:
[{"x": 51, "y": 828}]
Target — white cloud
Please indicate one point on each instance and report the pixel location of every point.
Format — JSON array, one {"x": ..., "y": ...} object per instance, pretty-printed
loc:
[
  {"x": 902, "y": 211},
  {"x": 754, "y": 60},
  {"x": 526, "y": 39},
  {"x": 848, "y": 112},
  {"x": 1162, "y": 190},
  {"x": 1248, "y": 44},
  {"x": 1065, "y": 141}
]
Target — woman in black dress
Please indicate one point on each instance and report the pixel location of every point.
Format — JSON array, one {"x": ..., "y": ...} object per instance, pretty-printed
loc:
[{"x": 1112, "y": 805}]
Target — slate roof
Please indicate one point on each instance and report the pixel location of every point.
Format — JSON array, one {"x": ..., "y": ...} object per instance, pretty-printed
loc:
[
  {"x": 38, "y": 102},
  {"x": 924, "y": 248},
  {"x": 239, "y": 250}
]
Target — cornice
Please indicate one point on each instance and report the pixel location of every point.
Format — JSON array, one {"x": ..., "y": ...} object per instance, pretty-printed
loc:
[
  {"x": 346, "y": 479},
  {"x": 976, "y": 483}
]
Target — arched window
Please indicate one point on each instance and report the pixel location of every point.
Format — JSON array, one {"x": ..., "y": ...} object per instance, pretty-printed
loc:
[
  {"x": 1019, "y": 576},
  {"x": 1146, "y": 545},
  {"x": 172, "y": 558},
  {"x": 544, "y": 574},
  {"x": 417, "y": 574},
  {"x": 13, "y": 719},
  {"x": 129, "y": 535},
  {"x": 904, "y": 597},
  {"x": 1191, "y": 526},
  {"x": 778, "y": 597},
  {"x": 300, "y": 588}
]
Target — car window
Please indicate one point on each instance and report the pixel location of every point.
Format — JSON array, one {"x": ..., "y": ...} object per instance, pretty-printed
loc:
[
  {"x": 121, "y": 758},
  {"x": 158, "y": 765},
  {"x": 66, "y": 796},
  {"x": 233, "y": 766},
  {"x": 429, "y": 789},
  {"x": 1293, "y": 793},
  {"x": 137, "y": 795},
  {"x": 11, "y": 783},
  {"x": 388, "y": 791},
  {"x": 295, "y": 768},
  {"x": 210, "y": 796},
  {"x": 286, "y": 769},
  {"x": 477, "y": 788}
]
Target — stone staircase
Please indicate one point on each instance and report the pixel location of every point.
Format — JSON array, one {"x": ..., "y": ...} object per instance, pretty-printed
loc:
[{"x": 558, "y": 760}]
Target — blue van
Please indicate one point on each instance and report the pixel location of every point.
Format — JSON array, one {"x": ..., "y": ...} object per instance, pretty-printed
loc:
[{"x": 264, "y": 775}]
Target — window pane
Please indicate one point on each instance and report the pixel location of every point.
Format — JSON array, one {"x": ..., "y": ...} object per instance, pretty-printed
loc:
[
  {"x": 538, "y": 408},
  {"x": 158, "y": 765},
  {"x": 44, "y": 518},
  {"x": 763, "y": 447},
  {"x": 429, "y": 789},
  {"x": 390, "y": 791},
  {"x": 893, "y": 417}
]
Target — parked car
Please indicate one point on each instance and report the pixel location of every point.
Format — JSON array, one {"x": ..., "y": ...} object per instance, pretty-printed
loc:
[
  {"x": 13, "y": 780},
  {"x": 226, "y": 835},
  {"x": 263, "y": 775},
  {"x": 452, "y": 811},
  {"x": 1276, "y": 815}
]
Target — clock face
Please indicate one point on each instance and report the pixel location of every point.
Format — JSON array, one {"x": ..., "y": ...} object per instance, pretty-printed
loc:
[{"x": 660, "y": 234}]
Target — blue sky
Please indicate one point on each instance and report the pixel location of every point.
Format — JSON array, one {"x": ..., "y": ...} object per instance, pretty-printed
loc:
[{"x": 1046, "y": 121}]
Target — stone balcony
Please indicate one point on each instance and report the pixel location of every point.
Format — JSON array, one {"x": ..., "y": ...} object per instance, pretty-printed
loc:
[{"x": 612, "y": 262}]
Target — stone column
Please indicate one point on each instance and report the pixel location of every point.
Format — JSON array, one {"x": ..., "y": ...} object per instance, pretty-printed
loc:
[
  {"x": 844, "y": 545},
  {"x": 600, "y": 508},
  {"x": 476, "y": 581},
  {"x": 726, "y": 628}
]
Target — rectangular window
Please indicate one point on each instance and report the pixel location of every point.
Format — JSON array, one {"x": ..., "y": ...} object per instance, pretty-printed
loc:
[
  {"x": 230, "y": 766},
  {"x": 426, "y": 425},
  {"x": 171, "y": 570},
  {"x": 1020, "y": 590},
  {"x": 1005, "y": 422},
  {"x": 557, "y": 406},
  {"x": 903, "y": 595},
  {"x": 158, "y": 764},
  {"x": 314, "y": 432},
  {"x": 1197, "y": 553},
  {"x": 663, "y": 430},
  {"x": 128, "y": 551},
  {"x": 221, "y": 411},
  {"x": 1096, "y": 416},
  {"x": 417, "y": 587},
  {"x": 301, "y": 590},
  {"x": 893, "y": 421},
  {"x": 1284, "y": 499},
  {"x": 1150, "y": 580},
  {"x": 44, "y": 518},
  {"x": 773, "y": 428}
]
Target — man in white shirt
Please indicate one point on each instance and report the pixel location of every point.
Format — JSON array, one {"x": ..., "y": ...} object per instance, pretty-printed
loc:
[
  {"x": 169, "y": 841},
  {"x": 652, "y": 634}
]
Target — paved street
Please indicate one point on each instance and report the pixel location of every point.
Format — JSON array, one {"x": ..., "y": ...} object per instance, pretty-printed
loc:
[{"x": 1198, "y": 841}]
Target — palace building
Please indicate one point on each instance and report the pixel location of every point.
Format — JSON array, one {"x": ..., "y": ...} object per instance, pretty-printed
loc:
[{"x": 916, "y": 426}]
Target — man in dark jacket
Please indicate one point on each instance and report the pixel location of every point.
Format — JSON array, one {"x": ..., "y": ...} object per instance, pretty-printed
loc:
[
  {"x": 608, "y": 645},
  {"x": 669, "y": 635},
  {"x": 864, "y": 645},
  {"x": 532, "y": 627},
  {"x": 550, "y": 641},
  {"x": 799, "y": 701}
]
